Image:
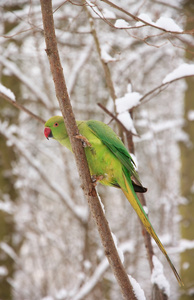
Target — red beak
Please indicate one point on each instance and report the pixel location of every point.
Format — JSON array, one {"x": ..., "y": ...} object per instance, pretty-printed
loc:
[{"x": 47, "y": 132}]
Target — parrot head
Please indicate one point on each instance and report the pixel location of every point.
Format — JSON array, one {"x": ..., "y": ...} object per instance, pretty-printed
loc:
[{"x": 55, "y": 128}]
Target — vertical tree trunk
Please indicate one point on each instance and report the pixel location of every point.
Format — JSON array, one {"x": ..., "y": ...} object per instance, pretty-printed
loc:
[
  {"x": 7, "y": 189},
  {"x": 187, "y": 175}
]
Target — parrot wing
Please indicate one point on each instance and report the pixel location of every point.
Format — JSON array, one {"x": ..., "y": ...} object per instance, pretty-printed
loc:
[{"x": 116, "y": 146}]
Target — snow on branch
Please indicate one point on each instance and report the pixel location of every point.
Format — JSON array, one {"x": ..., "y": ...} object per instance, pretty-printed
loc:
[
  {"x": 158, "y": 277},
  {"x": 139, "y": 293},
  {"x": 184, "y": 70},
  {"x": 163, "y": 23},
  {"x": 124, "y": 104},
  {"x": 122, "y": 24},
  {"x": 7, "y": 92},
  {"x": 133, "y": 99},
  {"x": 128, "y": 101},
  {"x": 120, "y": 252}
]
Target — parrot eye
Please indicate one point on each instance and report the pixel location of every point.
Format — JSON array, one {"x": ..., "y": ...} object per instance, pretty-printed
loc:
[{"x": 56, "y": 124}]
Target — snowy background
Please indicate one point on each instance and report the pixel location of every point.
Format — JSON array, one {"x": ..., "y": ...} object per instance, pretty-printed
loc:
[{"x": 50, "y": 248}]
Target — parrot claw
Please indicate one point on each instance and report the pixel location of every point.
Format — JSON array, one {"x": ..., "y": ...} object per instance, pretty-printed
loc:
[
  {"x": 96, "y": 178},
  {"x": 84, "y": 140}
]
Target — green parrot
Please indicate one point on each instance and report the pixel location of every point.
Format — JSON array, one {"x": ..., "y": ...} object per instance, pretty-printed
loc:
[{"x": 109, "y": 162}]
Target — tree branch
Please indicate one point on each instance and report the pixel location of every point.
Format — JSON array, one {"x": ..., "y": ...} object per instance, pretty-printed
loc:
[
  {"x": 21, "y": 107},
  {"x": 143, "y": 21},
  {"x": 69, "y": 119},
  {"x": 155, "y": 91}
]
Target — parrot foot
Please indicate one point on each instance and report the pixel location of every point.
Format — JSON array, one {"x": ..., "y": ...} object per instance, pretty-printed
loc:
[
  {"x": 96, "y": 178},
  {"x": 84, "y": 140}
]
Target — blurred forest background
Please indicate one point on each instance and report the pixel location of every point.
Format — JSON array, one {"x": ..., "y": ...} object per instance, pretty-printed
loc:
[{"x": 49, "y": 246}]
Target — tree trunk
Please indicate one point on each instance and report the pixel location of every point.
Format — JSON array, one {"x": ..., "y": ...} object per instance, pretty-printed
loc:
[
  {"x": 7, "y": 189},
  {"x": 187, "y": 175}
]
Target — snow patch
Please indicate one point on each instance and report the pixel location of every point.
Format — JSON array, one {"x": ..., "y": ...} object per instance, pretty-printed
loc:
[
  {"x": 182, "y": 71},
  {"x": 127, "y": 121},
  {"x": 190, "y": 115},
  {"x": 6, "y": 207},
  {"x": 120, "y": 23},
  {"x": 120, "y": 252},
  {"x": 186, "y": 265},
  {"x": 105, "y": 56},
  {"x": 185, "y": 245},
  {"x": 163, "y": 23},
  {"x": 144, "y": 17},
  {"x": 127, "y": 102},
  {"x": 158, "y": 277},
  {"x": 146, "y": 209},
  {"x": 7, "y": 92},
  {"x": 168, "y": 24},
  {"x": 102, "y": 205},
  {"x": 139, "y": 293},
  {"x": 3, "y": 271}
]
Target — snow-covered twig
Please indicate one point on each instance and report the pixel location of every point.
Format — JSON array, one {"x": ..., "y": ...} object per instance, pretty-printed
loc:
[
  {"x": 182, "y": 72},
  {"x": 158, "y": 25}
]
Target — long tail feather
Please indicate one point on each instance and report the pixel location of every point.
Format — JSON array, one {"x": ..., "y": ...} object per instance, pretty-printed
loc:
[{"x": 133, "y": 199}]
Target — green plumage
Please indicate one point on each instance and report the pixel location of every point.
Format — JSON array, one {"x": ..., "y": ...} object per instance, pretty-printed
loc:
[{"x": 109, "y": 160}]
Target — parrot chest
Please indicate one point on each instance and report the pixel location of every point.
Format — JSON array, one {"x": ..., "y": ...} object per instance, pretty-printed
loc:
[{"x": 102, "y": 162}]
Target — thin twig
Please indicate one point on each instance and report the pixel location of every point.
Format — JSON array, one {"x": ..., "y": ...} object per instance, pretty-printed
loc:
[
  {"x": 21, "y": 107},
  {"x": 158, "y": 89}
]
